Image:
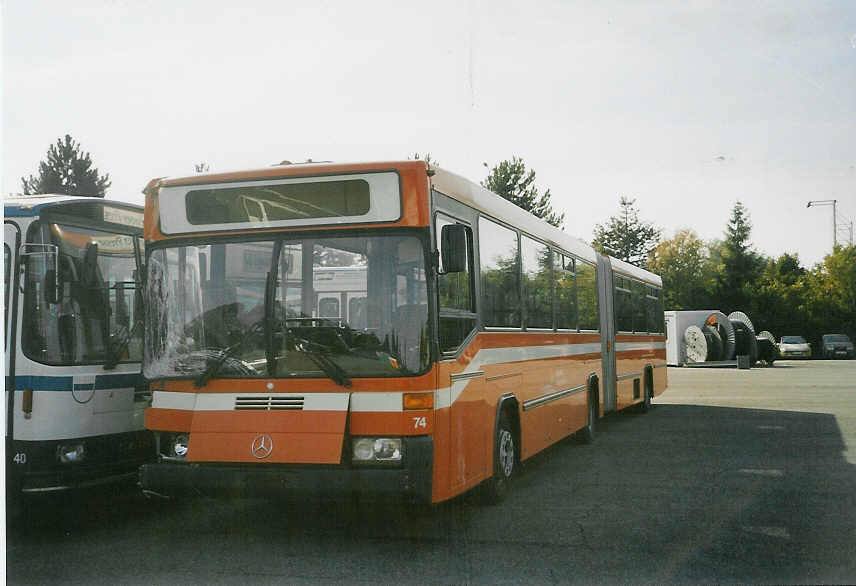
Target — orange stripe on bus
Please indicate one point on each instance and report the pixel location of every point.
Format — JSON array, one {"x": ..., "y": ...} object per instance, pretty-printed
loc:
[
  {"x": 639, "y": 338},
  {"x": 168, "y": 419},
  {"x": 386, "y": 423}
]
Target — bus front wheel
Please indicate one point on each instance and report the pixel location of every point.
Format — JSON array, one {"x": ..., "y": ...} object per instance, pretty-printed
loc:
[{"x": 495, "y": 488}]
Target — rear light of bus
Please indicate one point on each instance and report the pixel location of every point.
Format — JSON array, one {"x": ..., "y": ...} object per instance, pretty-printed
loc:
[
  {"x": 376, "y": 450},
  {"x": 418, "y": 400}
]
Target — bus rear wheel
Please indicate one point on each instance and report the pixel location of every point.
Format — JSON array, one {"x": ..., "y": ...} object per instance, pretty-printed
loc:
[
  {"x": 645, "y": 405},
  {"x": 495, "y": 488}
]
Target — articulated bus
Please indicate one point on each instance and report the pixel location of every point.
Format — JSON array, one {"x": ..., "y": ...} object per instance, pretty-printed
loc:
[
  {"x": 73, "y": 341},
  {"x": 475, "y": 336}
]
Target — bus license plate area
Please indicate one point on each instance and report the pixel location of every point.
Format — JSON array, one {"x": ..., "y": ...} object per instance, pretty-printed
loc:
[
  {"x": 266, "y": 448},
  {"x": 283, "y": 437}
]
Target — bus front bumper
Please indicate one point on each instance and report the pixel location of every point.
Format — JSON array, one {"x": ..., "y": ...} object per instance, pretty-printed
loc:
[
  {"x": 34, "y": 466},
  {"x": 412, "y": 480}
]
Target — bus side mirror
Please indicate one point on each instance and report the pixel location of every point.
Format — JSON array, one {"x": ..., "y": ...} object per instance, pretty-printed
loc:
[
  {"x": 52, "y": 294},
  {"x": 453, "y": 248}
]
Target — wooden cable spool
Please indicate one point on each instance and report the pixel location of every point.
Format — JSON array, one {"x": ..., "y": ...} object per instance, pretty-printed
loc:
[{"x": 696, "y": 344}]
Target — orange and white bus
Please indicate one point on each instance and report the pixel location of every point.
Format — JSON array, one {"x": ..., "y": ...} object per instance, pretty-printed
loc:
[{"x": 476, "y": 334}]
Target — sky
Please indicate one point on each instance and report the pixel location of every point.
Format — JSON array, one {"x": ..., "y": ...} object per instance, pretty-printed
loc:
[{"x": 684, "y": 106}]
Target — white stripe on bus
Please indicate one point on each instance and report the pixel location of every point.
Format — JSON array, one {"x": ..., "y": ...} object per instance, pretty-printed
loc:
[{"x": 392, "y": 401}]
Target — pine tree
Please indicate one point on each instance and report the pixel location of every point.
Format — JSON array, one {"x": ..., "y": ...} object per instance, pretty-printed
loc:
[
  {"x": 68, "y": 171},
  {"x": 511, "y": 180},
  {"x": 740, "y": 265},
  {"x": 625, "y": 236}
]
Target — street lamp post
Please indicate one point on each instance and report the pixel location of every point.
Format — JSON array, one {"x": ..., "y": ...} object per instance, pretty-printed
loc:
[{"x": 828, "y": 202}]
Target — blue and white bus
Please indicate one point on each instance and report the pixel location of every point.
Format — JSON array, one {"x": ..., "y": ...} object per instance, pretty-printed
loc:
[{"x": 73, "y": 343}]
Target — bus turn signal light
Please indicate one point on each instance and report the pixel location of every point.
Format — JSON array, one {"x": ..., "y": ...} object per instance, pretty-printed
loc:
[
  {"x": 418, "y": 400},
  {"x": 27, "y": 403}
]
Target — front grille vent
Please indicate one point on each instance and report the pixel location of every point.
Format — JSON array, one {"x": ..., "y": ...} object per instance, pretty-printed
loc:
[{"x": 269, "y": 403}]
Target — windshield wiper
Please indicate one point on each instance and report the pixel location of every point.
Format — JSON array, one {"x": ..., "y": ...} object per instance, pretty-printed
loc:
[
  {"x": 113, "y": 358},
  {"x": 335, "y": 372},
  {"x": 215, "y": 365}
]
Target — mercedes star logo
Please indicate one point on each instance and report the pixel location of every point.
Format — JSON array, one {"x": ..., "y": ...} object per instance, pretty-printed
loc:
[{"x": 262, "y": 446}]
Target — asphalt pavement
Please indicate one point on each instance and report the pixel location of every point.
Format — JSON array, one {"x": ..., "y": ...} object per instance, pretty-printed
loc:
[{"x": 734, "y": 476}]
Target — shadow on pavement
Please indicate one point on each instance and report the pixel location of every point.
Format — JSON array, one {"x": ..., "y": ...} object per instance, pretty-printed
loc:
[{"x": 681, "y": 494}]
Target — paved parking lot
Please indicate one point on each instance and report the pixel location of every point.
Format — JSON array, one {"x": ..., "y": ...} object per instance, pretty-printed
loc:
[{"x": 735, "y": 476}]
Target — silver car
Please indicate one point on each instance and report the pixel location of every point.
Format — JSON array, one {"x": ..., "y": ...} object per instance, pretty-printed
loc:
[{"x": 794, "y": 347}]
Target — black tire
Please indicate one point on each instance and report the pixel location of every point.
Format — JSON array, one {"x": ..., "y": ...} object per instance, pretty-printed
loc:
[
  {"x": 505, "y": 460},
  {"x": 589, "y": 432},
  {"x": 645, "y": 405}
]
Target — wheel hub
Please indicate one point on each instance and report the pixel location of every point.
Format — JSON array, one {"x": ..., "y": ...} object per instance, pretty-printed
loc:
[{"x": 506, "y": 452}]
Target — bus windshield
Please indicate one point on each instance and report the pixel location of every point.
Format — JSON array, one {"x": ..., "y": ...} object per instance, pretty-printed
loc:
[
  {"x": 336, "y": 306},
  {"x": 80, "y": 297}
]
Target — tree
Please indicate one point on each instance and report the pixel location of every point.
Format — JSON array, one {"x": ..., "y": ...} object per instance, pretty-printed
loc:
[
  {"x": 511, "y": 180},
  {"x": 684, "y": 266},
  {"x": 67, "y": 171},
  {"x": 740, "y": 265},
  {"x": 778, "y": 297},
  {"x": 625, "y": 236},
  {"x": 830, "y": 298}
]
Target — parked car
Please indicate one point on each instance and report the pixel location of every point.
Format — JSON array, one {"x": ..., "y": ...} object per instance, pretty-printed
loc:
[
  {"x": 794, "y": 347},
  {"x": 837, "y": 346}
]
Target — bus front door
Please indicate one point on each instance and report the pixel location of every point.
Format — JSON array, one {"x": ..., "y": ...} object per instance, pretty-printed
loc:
[{"x": 11, "y": 244}]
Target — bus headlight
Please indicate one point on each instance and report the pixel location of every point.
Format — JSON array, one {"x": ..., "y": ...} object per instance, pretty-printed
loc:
[
  {"x": 178, "y": 445},
  {"x": 173, "y": 446},
  {"x": 376, "y": 450},
  {"x": 71, "y": 453}
]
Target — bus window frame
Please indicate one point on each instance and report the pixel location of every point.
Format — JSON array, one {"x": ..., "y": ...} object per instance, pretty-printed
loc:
[
  {"x": 7, "y": 277},
  {"x": 524, "y": 308},
  {"x": 422, "y": 234},
  {"x": 592, "y": 267},
  {"x": 517, "y": 232},
  {"x": 565, "y": 256},
  {"x": 244, "y": 229},
  {"x": 475, "y": 314},
  {"x": 40, "y": 229}
]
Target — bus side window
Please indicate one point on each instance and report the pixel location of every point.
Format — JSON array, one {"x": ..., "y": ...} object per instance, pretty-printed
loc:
[
  {"x": 623, "y": 305},
  {"x": 638, "y": 295},
  {"x": 536, "y": 259},
  {"x": 565, "y": 291},
  {"x": 328, "y": 307},
  {"x": 587, "y": 296},
  {"x": 455, "y": 291},
  {"x": 500, "y": 275}
]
